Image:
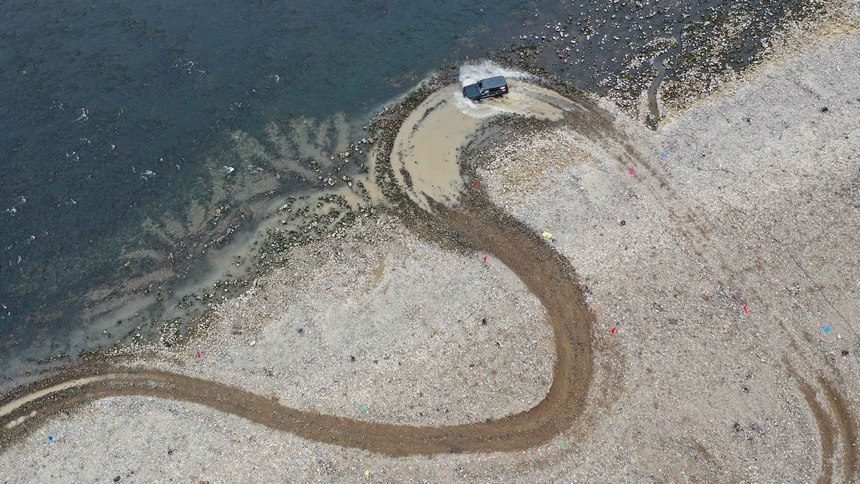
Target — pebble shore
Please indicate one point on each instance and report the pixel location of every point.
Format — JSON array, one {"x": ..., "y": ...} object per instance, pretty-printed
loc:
[{"x": 718, "y": 253}]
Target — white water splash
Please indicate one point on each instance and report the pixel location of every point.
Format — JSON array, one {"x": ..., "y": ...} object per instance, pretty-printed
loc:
[
  {"x": 473, "y": 72},
  {"x": 523, "y": 98}
]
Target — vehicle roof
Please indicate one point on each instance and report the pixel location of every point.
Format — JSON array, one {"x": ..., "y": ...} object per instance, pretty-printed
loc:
[{"x": 492, "y": 82}]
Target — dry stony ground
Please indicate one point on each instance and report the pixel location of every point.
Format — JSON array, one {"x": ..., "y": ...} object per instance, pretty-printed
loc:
[
  {"x": 726, "y": 259},
  {"x": 719, "y": 261}
]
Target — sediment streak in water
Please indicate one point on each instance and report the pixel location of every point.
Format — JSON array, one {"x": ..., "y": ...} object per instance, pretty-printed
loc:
[{"x": 478, "y": 224}]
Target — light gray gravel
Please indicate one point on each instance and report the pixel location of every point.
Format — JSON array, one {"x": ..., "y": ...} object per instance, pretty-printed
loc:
[{"x": 384, "y": 321}]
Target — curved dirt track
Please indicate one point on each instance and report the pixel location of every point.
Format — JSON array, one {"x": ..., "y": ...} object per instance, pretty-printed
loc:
[{"x": 476, "y": 224}]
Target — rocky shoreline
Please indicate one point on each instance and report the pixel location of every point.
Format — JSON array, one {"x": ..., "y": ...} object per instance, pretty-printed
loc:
[{"x": 715, "y": 254}]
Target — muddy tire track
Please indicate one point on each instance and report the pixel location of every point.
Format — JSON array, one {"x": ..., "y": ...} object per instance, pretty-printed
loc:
[
  {"x": 826, "y": 429},
  {"x": 833, "y": 414},
  {"x": 839, "y": 424},
  {"x": 478, "y": 225},
  {"x": 847, "y": 425}
]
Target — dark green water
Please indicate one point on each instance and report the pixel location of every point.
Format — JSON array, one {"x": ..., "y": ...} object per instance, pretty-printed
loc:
[{"x": 119, "y": 118}]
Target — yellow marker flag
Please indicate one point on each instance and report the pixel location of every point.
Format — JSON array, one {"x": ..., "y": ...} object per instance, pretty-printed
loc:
[{"x": 547, "y": 235}]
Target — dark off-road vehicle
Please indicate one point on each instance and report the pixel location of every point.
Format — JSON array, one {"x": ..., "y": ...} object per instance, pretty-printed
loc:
[{"x": 490, "y": 87}]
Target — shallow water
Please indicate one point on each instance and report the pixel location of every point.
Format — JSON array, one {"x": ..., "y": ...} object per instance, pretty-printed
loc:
[
  {"x": 425, "y": 154},
  {"x": 129, "y": 127}
]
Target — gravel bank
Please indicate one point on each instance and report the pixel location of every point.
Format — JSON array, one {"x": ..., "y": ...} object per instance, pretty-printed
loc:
[{"x": 383, "y": 326}]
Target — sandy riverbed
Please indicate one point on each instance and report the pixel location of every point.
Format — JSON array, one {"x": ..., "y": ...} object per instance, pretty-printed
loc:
[{"x": 722, "y": 249}]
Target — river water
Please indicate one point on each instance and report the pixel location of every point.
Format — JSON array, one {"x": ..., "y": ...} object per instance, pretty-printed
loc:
[
  {"x": 121, "y": 118},
  {"x": 140, "y": 142}
]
